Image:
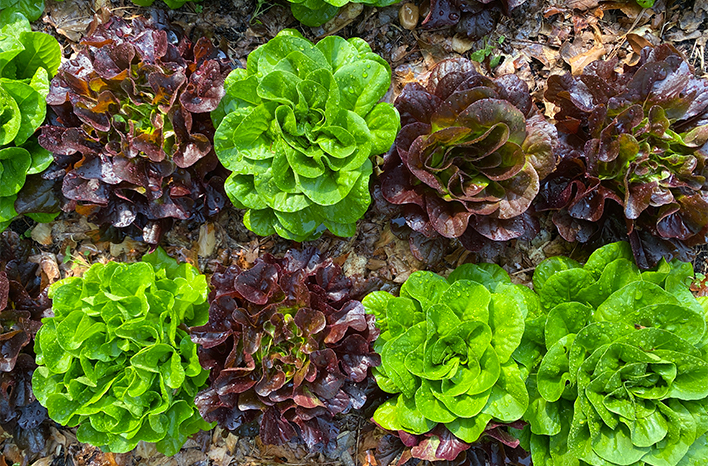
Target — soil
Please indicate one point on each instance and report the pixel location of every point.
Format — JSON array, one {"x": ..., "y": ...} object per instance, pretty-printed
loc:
[{"x": 539, "y": 39}]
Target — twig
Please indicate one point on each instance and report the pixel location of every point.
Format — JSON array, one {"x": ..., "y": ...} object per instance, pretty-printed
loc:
[
  {"x": 358, "y": 432},
  {"x": 615, "y": 49},
  {"x": 528, "y": 269}
]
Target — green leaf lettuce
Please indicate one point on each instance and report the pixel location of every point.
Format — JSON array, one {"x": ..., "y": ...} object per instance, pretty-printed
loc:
[
  {"x": 27, "y": 60},
  {"x": 115, "y": 358},
  {"x": 446, "y": 351},
  {"x": 618, "y": 364},
  {"x": 297, "y": 128}
]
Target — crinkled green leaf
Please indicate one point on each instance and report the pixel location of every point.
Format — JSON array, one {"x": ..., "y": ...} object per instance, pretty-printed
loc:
[
  {"x": 113, "y": 356},
  {"x": 447, "y": 351},
  {"x": 297, "y": 128},
  {"x": 625, "y": 352}
]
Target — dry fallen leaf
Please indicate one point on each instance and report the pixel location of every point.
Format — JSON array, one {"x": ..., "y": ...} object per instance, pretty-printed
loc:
[
  {"x": 637, "y": 42},
  {"x": 70, "y": 19},
  {"x": 291, "y": 452},
  {"x": 42, "y": 233},
  {"x": 631, "y": 9},
  {"x": 207, "y": 240},
  {"x": 578, "y": 61},
  {"x": 129, "y": 246},
  {"x": 48, "y": 266},
  {"x": 219, "y": 455},
  {"x": 582, "y": 4},
  {"x": 92, "y": 456},
  {"x": 546, "y": 55}
]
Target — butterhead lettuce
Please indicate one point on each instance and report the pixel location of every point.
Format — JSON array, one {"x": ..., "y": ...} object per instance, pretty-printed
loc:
[{"x": 297, "y": 127}]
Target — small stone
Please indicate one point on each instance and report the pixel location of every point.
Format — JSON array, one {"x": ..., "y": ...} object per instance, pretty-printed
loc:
[{"x": 408, "y": 16}]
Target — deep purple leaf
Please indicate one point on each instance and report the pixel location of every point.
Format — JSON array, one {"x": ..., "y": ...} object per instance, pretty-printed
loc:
[
  {"x": 618, "y": 125},
  {"x": 285, "y": 339},
  {"x": 114, "y": 102}
]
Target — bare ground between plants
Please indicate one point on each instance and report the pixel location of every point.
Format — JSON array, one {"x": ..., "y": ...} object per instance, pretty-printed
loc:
[{"x": 542, "y": 38}]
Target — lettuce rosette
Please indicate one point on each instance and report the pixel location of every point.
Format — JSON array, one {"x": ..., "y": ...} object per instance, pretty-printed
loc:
[
  {"x": 446, "y": 352},
  {"x": 297, "y": 127},
  {"x": 618, "y": 366},
  {"x": 116, "y": 358}
]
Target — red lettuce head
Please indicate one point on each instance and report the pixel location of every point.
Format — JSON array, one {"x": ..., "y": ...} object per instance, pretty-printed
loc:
[
  {"x": 284, "y": 340},
  {"x": 22, "y": 306},
  {"x": 469, "y": 157},
  {"x": 440, "y": 447},
  {"x": 635, "y": 158},
  {"x": 133, "y": 107}
]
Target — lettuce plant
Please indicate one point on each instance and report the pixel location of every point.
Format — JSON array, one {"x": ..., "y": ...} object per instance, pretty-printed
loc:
[
  {"x": 27, "y": 60},
  {"x": 468, "y": 160},
  {"x": 297, "y": 128},
  {"x": 285, "y": 342},
  {"x": 132, "y": 108},
  {"x": 116, "y": 358},
  {"x": 30, "y": 9},
  {"x": 22, "y": 305},
  {"x": 317, "y": 12},
  {"x": 446, "y": 352},
  {"x": 475, "y": 18},
  {"x": 635, "y": 166},
  {"x": 617, "y": 360}
]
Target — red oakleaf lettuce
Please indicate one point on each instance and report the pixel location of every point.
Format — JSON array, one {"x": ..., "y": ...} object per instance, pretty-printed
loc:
[
  {"x": 285, "y": 340},
  {"x": 469, "y": 157},
  {"x": 635, "y": 154},
  {"x": 475, "y": 18},
  {"x": 133, "y": 109},
  {"x": 22, "y": 305},
  {"x": 440, "y": 447}
]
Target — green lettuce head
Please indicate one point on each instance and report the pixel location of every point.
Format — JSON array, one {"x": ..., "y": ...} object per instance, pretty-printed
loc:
[
  {"x": 115, "y": 358},
  {"x": 618, "y": 364},
  {"x": 297, "y": 127},
  {"x": 446, "y": 351},
  {"x": 317, "y": 12},
  {"x": 28, "y": 59}
]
